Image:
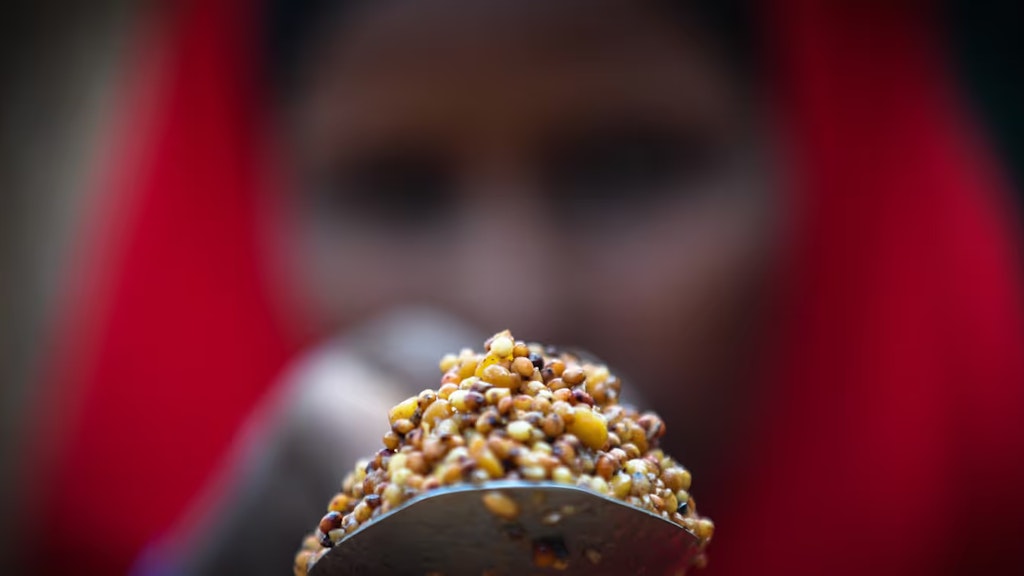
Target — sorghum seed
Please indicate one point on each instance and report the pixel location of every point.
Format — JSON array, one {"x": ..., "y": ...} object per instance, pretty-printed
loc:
[
  {"x": 425, "y": 398},
  {"x": 562, "y": 475},
  {"x": 362, "y": 512},
  {"x": 564, "y": 410},
  {"x": 392, "y": 440},
  {"x": 557, "y": 367},
  {"x": 417, "y": 463},
  {"x": 556, "y": 384},
  {"x": 414, "y": 439},
  {"x": 480, "y": 386},
  {"x": 447, "y": 427},
  {"x": 360, "y": 469},
  {"x": 369, "y": 485},
  {"x": 401, "y": 477},
  {"x": 445, "y": 391},
  {"x": 490, "y": 464},
  {"x": 498, "y": 375},
  {"x": 621, "y": 484},
  {"x": 564, "y": 452},
  {"x": 639, "y": 437},
  {"x": 505, "y": 405},
  {"x": 541, "y": 404},
  {"x": 589, "y": 426},
  {"x": 397, "y": 462},
  {"x": 582, "y": 397},
  {"x": 502, "y": 346},
  {"x": 635, "y": 466},
  {"x": 302, "y": 559},
  {"x": 436, "y": 412},
  {"x": 458, "y": 399},
  {"x": 330, "y": 521},
  {"x": 552, "y": 426},
  {"x": 448, "y": 362},
  {"x": 488, "y": 421},
  {"x": 404, "y": 410},
  {"x": 522, "y": 402},
  {"x": 705, "y": 529},
  {"x": 393, "y": 495},
  {"x": 654, "y": 426},
  {"x": 519, "y": 430},
  {"x": 641, "y": 485},
  {"x": 494, "y": 395},
  {"x": 682, "y": 496},
  {"x": 349, "y": 523},
  {"x": 339, "y": 503},
  {"x": 433, "y": 448},
  {"x": 673, "y": 479},
  {"x": 502, "y": 447},
  {"x": 671, "y": 502},
  {"x": 467, "y": 368},
  {"x": 631, "y": 450},
  {"x": 449, "y": 474},
  {"x": 534, "y": 472},
  {"x": 533, "y": 387},
  {"x": 473, "y": 401},
  {"x": 573, "y": 375},
  {"x": 613, "y": 440}
]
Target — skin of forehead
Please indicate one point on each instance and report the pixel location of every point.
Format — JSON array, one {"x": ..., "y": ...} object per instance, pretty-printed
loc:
[{"x": 477, "y": 70}]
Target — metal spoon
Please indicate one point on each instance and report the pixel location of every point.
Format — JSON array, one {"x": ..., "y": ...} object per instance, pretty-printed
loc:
[{"x": 557, "y": 529}]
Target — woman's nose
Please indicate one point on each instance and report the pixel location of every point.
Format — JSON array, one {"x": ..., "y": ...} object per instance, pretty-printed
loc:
[{"x": 507, "y": 271}]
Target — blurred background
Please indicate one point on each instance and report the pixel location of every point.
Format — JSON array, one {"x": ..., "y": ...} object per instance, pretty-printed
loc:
[{"x": 793, "y": 224}]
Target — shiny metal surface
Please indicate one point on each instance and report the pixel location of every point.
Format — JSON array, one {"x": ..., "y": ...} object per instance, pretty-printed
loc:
[{"x": 559, "y": 529}]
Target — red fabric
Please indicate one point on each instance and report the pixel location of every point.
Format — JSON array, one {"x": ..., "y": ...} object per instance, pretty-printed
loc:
[
  {"x": 185, "y": 341},
  {"x": 894, "y": 440}
]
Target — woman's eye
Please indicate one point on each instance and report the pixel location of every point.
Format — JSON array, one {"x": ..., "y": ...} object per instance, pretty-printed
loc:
[
  {"x": 400, "y": 189},
  {"x": 610, "y": 169}
]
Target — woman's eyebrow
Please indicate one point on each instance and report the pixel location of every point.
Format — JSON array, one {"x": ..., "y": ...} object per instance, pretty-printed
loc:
[{"x": 677, "y": 137}]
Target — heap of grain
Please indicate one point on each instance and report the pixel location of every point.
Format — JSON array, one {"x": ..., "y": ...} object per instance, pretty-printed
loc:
[{"x": 517, "y": 411}]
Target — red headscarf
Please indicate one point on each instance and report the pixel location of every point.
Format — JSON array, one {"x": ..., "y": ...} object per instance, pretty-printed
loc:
[
  {"x": 893, "y": 443},
  {"x": 169, "y": 339}
]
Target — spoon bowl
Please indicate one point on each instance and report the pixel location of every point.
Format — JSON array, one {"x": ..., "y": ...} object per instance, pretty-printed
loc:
[{"x": 509, "y": 528}]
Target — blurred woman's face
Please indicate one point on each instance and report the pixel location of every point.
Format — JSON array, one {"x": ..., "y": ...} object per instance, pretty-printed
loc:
[{"x": 582, "y": 172}]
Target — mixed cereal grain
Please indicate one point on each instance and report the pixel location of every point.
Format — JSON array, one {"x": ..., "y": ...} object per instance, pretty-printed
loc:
[{"x": 517, "y": 411}]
